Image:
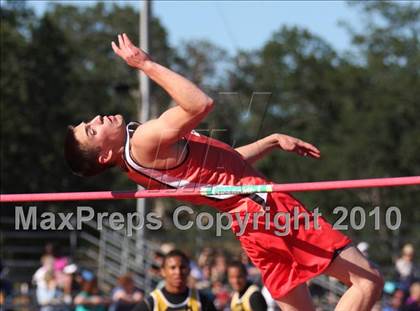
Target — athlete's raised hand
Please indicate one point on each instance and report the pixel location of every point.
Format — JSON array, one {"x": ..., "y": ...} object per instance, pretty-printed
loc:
[
  {"x": 132, "y": 55},
  {"x": 292, "y": 144}
]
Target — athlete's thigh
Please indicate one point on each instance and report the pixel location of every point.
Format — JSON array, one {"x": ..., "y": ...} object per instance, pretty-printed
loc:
[
  {"x": 299, "y": 299},
  {"x": 351, "y": 266}
]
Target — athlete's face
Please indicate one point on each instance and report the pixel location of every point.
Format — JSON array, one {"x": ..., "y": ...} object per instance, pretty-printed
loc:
[
  {"x": 236, "y": 278},
  {"x": 103, "y": 132},
  {"x": 175, "y": 272}
]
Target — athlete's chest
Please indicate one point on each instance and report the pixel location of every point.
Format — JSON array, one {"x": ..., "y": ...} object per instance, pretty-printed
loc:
[{"x": 165, "y": 157}]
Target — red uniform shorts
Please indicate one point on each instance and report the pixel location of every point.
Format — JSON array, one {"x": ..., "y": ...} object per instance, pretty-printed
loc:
[{"x": 288, "y": 250}]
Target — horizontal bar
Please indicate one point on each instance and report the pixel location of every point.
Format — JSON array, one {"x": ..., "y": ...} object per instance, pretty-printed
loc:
[{"x": 188, "y": 192}]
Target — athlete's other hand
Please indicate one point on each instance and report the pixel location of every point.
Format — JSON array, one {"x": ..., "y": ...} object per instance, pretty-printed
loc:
[
  {"x": 292, "y": 144},
  {"x": 132, "y": 55}
]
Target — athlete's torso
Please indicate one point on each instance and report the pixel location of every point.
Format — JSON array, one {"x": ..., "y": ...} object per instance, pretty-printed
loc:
[
  {"x": 161, "y": 303},
  {"x": 208, "y": 162},
  {"x": 242, "y": 303}
]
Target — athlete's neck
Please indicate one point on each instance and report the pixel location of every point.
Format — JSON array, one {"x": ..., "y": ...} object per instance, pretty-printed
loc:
[{"x": 176, "y": 290}]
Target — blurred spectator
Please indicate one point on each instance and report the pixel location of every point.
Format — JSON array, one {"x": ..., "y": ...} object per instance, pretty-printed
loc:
[
  {"x": 363, "y": 247},
  {"x": 208, "y": 276},
  {"x": 47, "y": 265},
  {"x": 205, "y": 257},
  {"x": 155, "y": 267},
  {"x": 47, "y": 293},
  {"x": 90, "y": 298},
  {"x": 413, "y": 301},
  {"x": 317, "y": 291},
  {"x": 165, "y": 248},
  {"x": 405, "y": 266},
  {"x": 22, "y": 298},
  {"x": 6, "y": 289},
  {"x": 126, "y": 295},
  {"x": 205, "y": 282},
  {"x": 70, "y": 269},
  {"x": 158, "y": 258},
  {"x": 175, "y": 294},
  {"x": 246, "y": 296},
  {"x": 71, "y": 286},
  {"x": 154, "y": 270},
  {"x": 196, "y": 272},
  {"x": 221, "y": 295},
  {"x": 253, "y": 273},
  {"x": 219, "y": 267},
  {"x": 396, "y": 301},
  {"x": 60, "y": 262}
]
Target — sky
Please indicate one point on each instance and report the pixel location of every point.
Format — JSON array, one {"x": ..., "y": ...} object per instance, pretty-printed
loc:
[
  {"x": 248, "y": 24},
  {"x": 236, "y": 25}
]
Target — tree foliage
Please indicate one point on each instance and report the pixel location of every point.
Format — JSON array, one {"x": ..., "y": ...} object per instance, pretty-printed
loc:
[
  {"x": 59, "y": 69},
  {"x": 360, "y": 108}
]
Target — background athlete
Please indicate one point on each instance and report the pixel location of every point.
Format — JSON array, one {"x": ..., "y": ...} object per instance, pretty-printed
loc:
[
  {"x": 166, "y": 153},
  {"x": 175, "y": 295},
  {"x": 246, "y": 296}
]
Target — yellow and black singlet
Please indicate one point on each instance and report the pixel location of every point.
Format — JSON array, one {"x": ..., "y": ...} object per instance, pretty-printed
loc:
[
  {"x": 242, "y": 303},
  {"x": 191, "y": 303}
]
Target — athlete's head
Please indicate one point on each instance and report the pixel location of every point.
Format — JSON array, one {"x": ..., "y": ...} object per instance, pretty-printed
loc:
[
  {"x": 175, "y": 270},
  {"x": 237, "y": 275},
  {"x": 91, "y": 147}
]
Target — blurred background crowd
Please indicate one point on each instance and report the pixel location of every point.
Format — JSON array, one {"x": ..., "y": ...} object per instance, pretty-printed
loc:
[{"x": 60, "y": 284}]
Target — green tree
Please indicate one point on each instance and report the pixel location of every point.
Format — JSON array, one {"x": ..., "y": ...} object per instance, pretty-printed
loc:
[
  {"x": 14, "y": 93},
  {"x": 387, "y": 111}
]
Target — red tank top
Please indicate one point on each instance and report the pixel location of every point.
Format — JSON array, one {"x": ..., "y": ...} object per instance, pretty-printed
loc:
[{"x": 209, "y": 162}]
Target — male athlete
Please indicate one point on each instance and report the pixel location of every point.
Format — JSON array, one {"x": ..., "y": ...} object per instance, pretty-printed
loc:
[
  {"x": 175, "y": 295},
  {"x": 166, "y": 153},
  {"x": 246, "y": 296}
]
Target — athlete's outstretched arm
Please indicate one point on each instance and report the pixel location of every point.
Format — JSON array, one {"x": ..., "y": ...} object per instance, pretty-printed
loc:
[
  {"x": 262, "y": 147},
  {"x": 193, "y": 103}
]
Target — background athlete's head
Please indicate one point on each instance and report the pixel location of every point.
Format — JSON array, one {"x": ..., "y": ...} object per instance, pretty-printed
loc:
[
  {"x": 237, "y": 275},
  {"x": 93, "y": 146},
  {"x": 175, "y": 270}
]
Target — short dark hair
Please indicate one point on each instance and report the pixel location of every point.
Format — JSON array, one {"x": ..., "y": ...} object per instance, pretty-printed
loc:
[
  {"x": 239, "y": 265},
  {"x": 82, "y": 161},
  {"x": 175, "y": 253}
]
